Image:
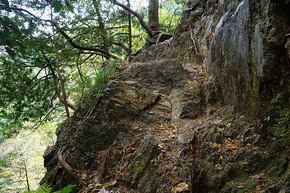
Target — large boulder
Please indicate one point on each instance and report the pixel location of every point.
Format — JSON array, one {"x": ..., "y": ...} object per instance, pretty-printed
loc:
[{"x": 247, "y": 57}]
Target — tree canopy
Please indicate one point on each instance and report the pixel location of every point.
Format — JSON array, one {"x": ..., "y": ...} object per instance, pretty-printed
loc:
[{"x": 52, "y": 51}]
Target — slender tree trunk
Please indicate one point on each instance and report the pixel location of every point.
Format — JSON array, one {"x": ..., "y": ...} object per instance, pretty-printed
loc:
[
  {"x": 130, "y": 29},
  {"x": 26, "y": 175},
  {"x": 150, "y": 32},
  {"x": 102, "y": 27},
  {"x": 153, "y": 15},
  {"x": 58, "y": 71}
]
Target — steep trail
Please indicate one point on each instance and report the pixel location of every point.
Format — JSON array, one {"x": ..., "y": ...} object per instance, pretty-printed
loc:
[
  {"x": 174, "y": 141},
  {"x": 209, "y": 118}
]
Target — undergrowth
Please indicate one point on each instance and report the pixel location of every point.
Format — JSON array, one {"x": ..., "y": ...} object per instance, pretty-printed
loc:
[{"x": 46, "y": 188}]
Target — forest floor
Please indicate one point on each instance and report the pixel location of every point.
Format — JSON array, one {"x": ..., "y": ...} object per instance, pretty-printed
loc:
[{"x": 23, "y": 154}]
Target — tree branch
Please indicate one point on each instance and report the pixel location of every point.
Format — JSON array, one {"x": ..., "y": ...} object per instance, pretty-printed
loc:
[
  {"x": 150, "y": 32},
  {"x": 69, "y": 39},
  {"x": 64, "y": 97},
  {"x": 122, "y": 46}
]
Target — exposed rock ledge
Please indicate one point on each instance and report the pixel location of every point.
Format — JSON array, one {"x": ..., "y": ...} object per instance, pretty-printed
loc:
[{"x": 168, "y": 125}]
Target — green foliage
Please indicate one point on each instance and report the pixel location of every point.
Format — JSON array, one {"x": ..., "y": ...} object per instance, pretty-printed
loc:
[
  {"x": 67, "y": 189},
  {"x": 104, "y": 75},
  {"x": 25, "y": 148},
  {"x": 277, "y": 124},
  {"x": 57, "y": 5},
  {"x": 169, "y": 15},
  {"x": 282, "y": 128},
  {"x": 28, "y": 73},
  {"x": 4, "y": 3},
  {"x": 46, "y": 188}
]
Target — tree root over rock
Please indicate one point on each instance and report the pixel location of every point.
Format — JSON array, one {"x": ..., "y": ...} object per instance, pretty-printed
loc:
[{"x": 62, "y": 164}]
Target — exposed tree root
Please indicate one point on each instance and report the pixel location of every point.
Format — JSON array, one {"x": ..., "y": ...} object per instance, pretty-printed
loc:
[{"x": 73, "y": 172}]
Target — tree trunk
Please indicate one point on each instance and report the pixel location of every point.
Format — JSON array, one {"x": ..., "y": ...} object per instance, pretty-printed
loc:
[
  {"x": 130, "y": 29},
  {"x": 102, "y": 27},
  {"x": 153, "y": 15},
  {"x": 150, "y": 32}
]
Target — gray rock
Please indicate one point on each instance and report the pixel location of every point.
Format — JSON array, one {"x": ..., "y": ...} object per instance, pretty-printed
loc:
[
  {"x": 196, "y": 12},
  {"x": 148, "y": 183},
  {"x": 160, "y": 76},
  {"x": 146, "y": 151},
  {"x": 186, "y": 103},
  {"x": 272, "y": 189},
  {"x": 186, "y": 138},
  {"x": 229, "y": 53}
]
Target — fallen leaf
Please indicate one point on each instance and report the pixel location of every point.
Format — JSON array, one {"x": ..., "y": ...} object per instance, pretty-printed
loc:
[
  {"x": 99, "y": 186},
  {"x": 191, "y": 147},
  {"x": 230, "y": 124},
  {"x": 258, "y": 176},
  {"x": 258, "y": 189},
  {"x": 220, "y": 129},
  {"x": 233, "y": 146},
  {"x": 216, "y": 145},
  {"x": 181, "y": 187}
]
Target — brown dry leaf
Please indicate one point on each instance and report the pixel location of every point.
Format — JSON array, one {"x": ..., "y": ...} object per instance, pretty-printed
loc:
[
  {"x": 215, "y": 145},
  {"x": 233, "y": 146},
  {"x": 220, "y": 129},
  {"x": 180, "y": 188},
  {"x": 217, "y": 121},
  {"x": 112, "y": 172},
  {"x": 84, "y": 175},
  {"x": 230, "y": 124},
  {"x": 258, "y": 189},
  {"x": 191, "y": 147},
  {"x": 257, "y": 176},
  {"x": 227, "y": 141}
]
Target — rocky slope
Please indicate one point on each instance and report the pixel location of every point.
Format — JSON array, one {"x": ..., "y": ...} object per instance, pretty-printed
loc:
[{"x": 205, "y": 111}]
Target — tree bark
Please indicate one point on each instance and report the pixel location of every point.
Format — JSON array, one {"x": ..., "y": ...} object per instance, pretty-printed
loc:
[
  {"x": 58, "y": 70},
  {"x": 26, "y": 175},
  {"x": 153, "y": 15},
  {"x": 130, "y": 29},
  {"x": 102, "y": 27},
  {"x": 150, "y": 32}
]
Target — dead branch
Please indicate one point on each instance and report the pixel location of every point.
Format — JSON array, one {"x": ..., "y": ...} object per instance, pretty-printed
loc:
[
  {"x": 194, "y": 42},
  {"x": 104, "y": 159},
  {"x": 199, "y": 56}
]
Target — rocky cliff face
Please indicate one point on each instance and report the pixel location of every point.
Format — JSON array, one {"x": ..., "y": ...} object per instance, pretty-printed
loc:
[{"x": 205, "y": 111}]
